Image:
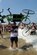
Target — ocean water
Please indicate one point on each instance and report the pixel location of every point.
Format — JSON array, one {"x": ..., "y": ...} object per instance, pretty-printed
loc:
[{"x": 29, "y": 38}]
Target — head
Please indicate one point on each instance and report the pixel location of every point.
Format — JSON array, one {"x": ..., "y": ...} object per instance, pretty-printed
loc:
[
  {"x": 33, "y": 24},
  {"x": 21, "y": 25}
]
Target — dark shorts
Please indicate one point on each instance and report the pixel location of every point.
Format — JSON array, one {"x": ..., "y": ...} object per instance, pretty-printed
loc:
[{"x": 14, "y": 39}]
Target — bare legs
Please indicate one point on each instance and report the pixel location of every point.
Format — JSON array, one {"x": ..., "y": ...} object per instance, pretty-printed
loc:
[{"x": 16, "y": 44}]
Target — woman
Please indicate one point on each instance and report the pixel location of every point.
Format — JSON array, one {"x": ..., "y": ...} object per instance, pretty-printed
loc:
[{"x": 14, "y": 38}]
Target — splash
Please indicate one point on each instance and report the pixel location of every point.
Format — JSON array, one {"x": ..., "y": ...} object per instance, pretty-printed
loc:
[{"x": 29, "y": 38}]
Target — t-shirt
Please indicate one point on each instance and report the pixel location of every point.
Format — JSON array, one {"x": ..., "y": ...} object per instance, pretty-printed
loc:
[
  {"x": 13, "y": 34},
  {"x": 22, "y": 32}
]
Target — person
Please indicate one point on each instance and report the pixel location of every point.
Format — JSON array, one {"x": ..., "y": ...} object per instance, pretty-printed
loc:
[
  {"x": 1, "y": 31},
  {"x": 33, "y": 29},
  {"x": 23, "y": 32},
  {"x": 14, "y": 38},
  {"x": 20, "y": 29}
]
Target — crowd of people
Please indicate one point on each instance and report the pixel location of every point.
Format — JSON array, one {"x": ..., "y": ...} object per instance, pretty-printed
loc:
[{"x": 16, "y": 32}]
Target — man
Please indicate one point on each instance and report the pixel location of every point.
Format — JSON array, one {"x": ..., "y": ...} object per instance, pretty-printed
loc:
[{"x": 1, "y": 31}]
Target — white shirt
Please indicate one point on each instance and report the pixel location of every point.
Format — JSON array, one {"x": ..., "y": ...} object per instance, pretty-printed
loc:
[
  {"x": 20, "y": 32},
  {"x": 13, "y": 35}
]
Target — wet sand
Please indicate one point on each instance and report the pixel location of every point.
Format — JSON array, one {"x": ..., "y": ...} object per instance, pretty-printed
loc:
[{"x": 6, "y": 51}]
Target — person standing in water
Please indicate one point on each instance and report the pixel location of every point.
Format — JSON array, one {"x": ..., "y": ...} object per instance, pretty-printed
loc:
[
  {"x": 14, "y": 38},
  {"x": 33, "y": 29},
  {"x": 20, "y": 29},
  {"x": 1, "y": 34}
]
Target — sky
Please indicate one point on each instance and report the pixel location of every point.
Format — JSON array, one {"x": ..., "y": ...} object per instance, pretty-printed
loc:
[{"x": 18, "y": 5}]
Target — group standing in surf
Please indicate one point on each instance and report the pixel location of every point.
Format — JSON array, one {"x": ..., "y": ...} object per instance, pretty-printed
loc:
[{"x": 15, "y": 33}]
